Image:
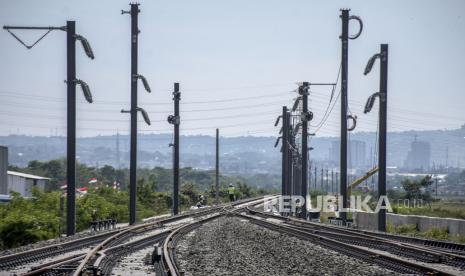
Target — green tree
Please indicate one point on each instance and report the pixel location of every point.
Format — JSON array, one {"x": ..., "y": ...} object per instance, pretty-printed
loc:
[{"x": 417, "y": 189}]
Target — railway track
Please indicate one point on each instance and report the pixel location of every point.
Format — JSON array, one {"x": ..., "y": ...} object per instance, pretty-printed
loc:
[
  {"x": 67, "y": 257},
  {"x": 168, "y": 265},
  {"x": 164, "y": 235},
  {"x": 440, "y": 246},
  {"x": 366, "y": 248},
  {"x": 397, "y": 264},
  {"x": 13, "y": 260},
  {"x": 366, "y": 239}
]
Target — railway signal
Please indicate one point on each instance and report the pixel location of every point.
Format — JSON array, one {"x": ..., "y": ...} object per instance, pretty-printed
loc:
[
  {"x": 71, "y": 82},
  {"x": 382, "y": 134},
  {"x": 135, "y": 76}
]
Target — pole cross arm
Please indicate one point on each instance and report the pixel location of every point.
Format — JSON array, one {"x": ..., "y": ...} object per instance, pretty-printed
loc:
[
  {"x": 48, "y": 29},
  {"x": 51, "y": 28}
]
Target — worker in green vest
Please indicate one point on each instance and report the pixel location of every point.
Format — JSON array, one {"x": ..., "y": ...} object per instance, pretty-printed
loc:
[{"x": 231, "y": 192}]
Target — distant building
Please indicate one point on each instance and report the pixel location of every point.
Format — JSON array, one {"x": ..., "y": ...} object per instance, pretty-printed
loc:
[
  {"x": 3, "y": 170},
  {"x": 16, "y": 181},
  {"x": 356, "y": 156},
  {"x": 23, "y": 183},
  {"x": 419, "y": 156}
]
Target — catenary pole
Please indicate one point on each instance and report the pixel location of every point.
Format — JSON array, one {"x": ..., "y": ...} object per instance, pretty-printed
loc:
[
  {"x": 382, "y": 133},
  {"x": 177, "y": 121},
  {"x": 217, "y": 167},
  {"x": 133, "y": 144},
  {"x": 71, "y": 129}
]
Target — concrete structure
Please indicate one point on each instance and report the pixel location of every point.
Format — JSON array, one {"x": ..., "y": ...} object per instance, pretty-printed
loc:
[
  {"x": 419, "y": 156},
  {"x": 369, "y": 221},
  {"x": 23, "y": 183},
  {"x": 3, "y": 170}
]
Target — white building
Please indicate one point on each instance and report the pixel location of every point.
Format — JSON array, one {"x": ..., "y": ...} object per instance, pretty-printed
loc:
[{"x": 23, "y": 183}]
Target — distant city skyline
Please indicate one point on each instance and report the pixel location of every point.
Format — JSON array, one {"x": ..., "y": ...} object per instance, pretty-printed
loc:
[{"x": 237, "y": 63}]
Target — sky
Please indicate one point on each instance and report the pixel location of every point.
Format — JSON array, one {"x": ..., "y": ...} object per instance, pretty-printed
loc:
[{"x": 238, "y": 62}]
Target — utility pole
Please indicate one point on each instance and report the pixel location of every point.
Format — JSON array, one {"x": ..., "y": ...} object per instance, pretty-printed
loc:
[
  {"x": 382, "y": 133},
  {"x": 217, "y": 167},
  {"x": 71, "y": 129},
  {"x": 118, "y": 160},
  {"x": 287, "y": 126},
  {"x": 175, "y": 120},
  {"x": 344, "y": 103},
  {"x": 285, "y": 152},
  {"x": 306, "y": 116},
  {"x": 382, "y": 137},
  {"x": 71, "y": 82},
  {"x": 133, "y": 146},
  {"x": 134, "y": 12},
  {"x": 287, "y": 148},
  {"x": 321, "y": 183}
]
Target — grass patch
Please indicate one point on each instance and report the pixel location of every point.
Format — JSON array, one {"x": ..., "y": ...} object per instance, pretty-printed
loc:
[
  {"x": 432, "y": 233},
  {"x": 437, "y": 209}
]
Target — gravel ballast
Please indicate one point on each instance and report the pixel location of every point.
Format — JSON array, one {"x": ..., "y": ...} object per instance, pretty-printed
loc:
[{"x": 233, "y": 246}]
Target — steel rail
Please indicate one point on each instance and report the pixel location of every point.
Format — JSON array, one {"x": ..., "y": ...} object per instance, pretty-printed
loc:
[
  {"x": 16, "y": 259},
  {"x": 150, "y": 226},
  {"x": 169, "y": 258},
  {"x": 108, "y": 257},
  {"x": 170, "y": 244},
  {"x": 445, "y": 247},
  {"x": 414, "y": 251},
  {"x": 384, "y": 260},
  {"x": 100, "y": 264},
  {"x": 127, "y": 232},
  {"x": 43, "y": 269},
  {"x": 396, "y": 248}
]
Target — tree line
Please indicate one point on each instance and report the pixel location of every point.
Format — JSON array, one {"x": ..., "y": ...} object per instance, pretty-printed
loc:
[{"x": 24, "y": 221}]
